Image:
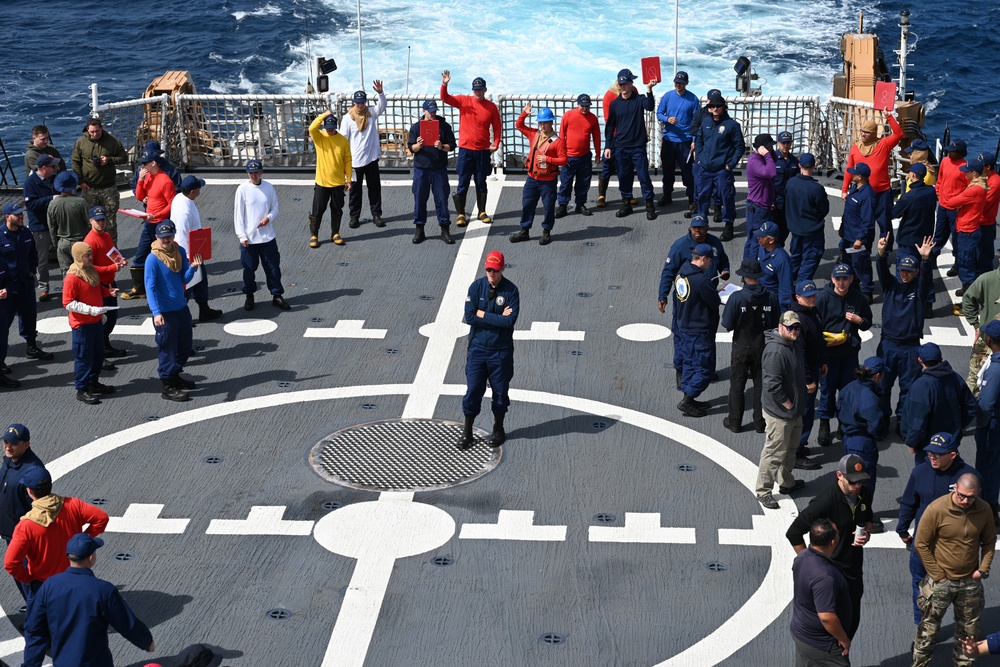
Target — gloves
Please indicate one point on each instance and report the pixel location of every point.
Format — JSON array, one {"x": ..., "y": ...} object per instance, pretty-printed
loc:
[{"x": 84, "y": 309}]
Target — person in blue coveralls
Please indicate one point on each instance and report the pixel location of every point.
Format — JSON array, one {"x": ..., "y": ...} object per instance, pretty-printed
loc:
[
  {"x": 430, "y": 173},
  {"x": 786, "y": 167},
  {"x": 719, "y": 148},
  {"x": 17, "y": 249},
  {"x": 988, "y": 419},
  {"x": 675, "y": 113},
  {"x": 625, "y": 136},
  {"x": 915, "y": 210},
  {"x": 776, "y": 264},
  {"x": 805, "y": 209},
  {"x": 680, "y": 252},
  {"x": 14, "y": 501},
  {"x": 696, "y": 308},
  {"x": 491, "y": 310},
  {"x": 857, "y": 229},
  {"x": 72, "y": 611},
  {"x": 167, "y": 272},
  {"x": 928, "y": 481},
  {"x": 859, "y": 411},
  {"x": 699, "y": 115},
  {"x": 902, "y": 320}
]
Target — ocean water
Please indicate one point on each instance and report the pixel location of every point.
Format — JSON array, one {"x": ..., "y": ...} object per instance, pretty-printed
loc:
[{"x": 561, "y": 46}]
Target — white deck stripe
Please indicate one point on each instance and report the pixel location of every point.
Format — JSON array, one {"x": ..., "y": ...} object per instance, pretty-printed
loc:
[
  {"x": 141, "y": 518},
  {"x": 515, "y": 525},
  {"x": 642, "y": 528}
]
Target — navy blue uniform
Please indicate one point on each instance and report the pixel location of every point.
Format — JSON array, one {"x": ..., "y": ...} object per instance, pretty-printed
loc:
[
  {"x": 938, "y": 401},
  {"x": 806, "y": 208},
  {"x": 859, "y": 223},
  {"x": 491, "y": 343},
  {"x": 988, "y": 432},
  {"x": 17, "y": 249},
  {"x": 777, "y": 278},
  {"x": 748, "y": 314},
  {"x": 859, "y": 412},
  {"x": 815, "y": 359},
  {"x": 696, "y": 311},
  {"x": 842, "y": 359},
  {"x": 785, "y": 168},
  {"x": 430, "y": 174},
  {"x": 625, "y": 136},
  {"x": 718, "y": 145},
  {"x": 916, "y": 212}
]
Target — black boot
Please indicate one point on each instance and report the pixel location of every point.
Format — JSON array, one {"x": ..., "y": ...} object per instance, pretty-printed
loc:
[
  {"x": 206, "y": 313},
  {"x": 561, "y": 211},
  {"x": 481, "y": 203},
  {"x": 459, "y": 201},
  {"x": 467, "y": 437},
  {"x": 602, "y": 192},
  {"x": 582, "y": 209},
  {"x": 692, "y": 209},
  {"x": 418, "y": 234},
  {"x": 138, "y": 284},
  {"x": 678, "y": 373},
  {"x": 823, "y": 438},
  {"x": 313, "y": 232},
  {"x": 178, "y": 382},
  {"x": 35, "y": 352},
  {"x": 446, "y": 235},
  {"x": 650, "y": 210},
  {"x": 625, "y": 210},
  {"x": 112, "y": 352},
  {"x": 498, "y": 436},
  {"x": 727, "y": 233},
  {"x": 689, "y": 408},
  {"x": 546, "y": 237},
  {"x": 718, "y": 213},
  {"x": 172, "y": 393},
  {"x": 519, "y": 236}
]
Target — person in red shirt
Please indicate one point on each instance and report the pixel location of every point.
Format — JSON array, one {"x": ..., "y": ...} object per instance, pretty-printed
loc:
[
  {"x": 578, "y": 128},
  {"x": 950, "y": 181},
  {"x": 968, "y": 206},
  {"x": 157, "y": 190},
  {"x": 877, "y": 154},
  {"x": 107, "y": 265},
  {"x": 987, "y": 242},
  {"x": 476, "y": 117},
  {"x": 83, "y": 297},
  {"x": 546, "y": 155}
]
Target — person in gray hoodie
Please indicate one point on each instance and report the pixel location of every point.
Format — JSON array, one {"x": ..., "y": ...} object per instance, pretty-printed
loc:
[{"x": 783, "y": 401}]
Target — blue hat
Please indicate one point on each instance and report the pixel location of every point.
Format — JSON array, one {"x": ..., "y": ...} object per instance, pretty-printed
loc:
[
  {"x": 97, "y": 213},
  {"x": 916, "y": 145},
  {"x": 860, "y": 169},
  {"x": 545, "y": 115},
  {"x": 972, "y": 165},
  {"x": 929, "y": 352},
  {"x": 786, "y": 138},
  {"x": 941, "y": 443},
  {"x": 330, "y": 122},
  {"x": 12, "y": 208},
  {"x": 626, "y": 76},
  {"x": 767, "y": 229},
  {"x": 165, "y": 229},
  {"x": 16, "y": 434},
  {"x": 992, "y": 329},
  {"x": 681, "y": 77},
  {"x": 918, "y": 168},
  {"x": 717, "y": 100},
  {"x": 253, "y": 166},
  {"x": 712, "y": 92},
  {"x": 35, "y": 476},
  {"x": 360, "y": 96},
  {"x": 704, "y": 250},
  {"x": 429, "y": 105},
  {"x": 806, "y": 288},
  {"x": 749, "y": 268},
  {"x": 908, "y": 263},
  {"x": 66, "y": 182},
  {"x": 987, "y": 158},
  {"x": 46, "y": 160},
  {"x": 957, "y": 145},
  {"x": 807, "y": 160},
  {"x": 82, "y": 545},
  {"x": 698, "y": 220},
  {"x": 479, "y": 83},
  {"x": 153, "y": 145},
  {"x": 148, "y": 156},
  {"x": 874, "y": 364},
  {"x": 192, "y": 182},
  {"x": 583, "y": 100},
  {"x": 841, "y": 271}
]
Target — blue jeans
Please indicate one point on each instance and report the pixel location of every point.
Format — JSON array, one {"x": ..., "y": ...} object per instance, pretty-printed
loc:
[
  {"x": 631, "y": 160},
  {"x": 426, "y": 181},
  {"x": 967, "y": 255},
  {"x": 533, "y": 190},
  {"x": 719, "y": 184},
  {"x": 88, "y": 354},
  {"x": 146, "y": 238},
  {"x": 497, "y": 366},
  {"x": 255, "y": 254},
  {"x": 472, "y": 165},
  {"x": 581, "y": 169},
  {"x": 173, "y": 342},
  {"x": 756, "y": 217},
  {"x": 806, "y": 254}
]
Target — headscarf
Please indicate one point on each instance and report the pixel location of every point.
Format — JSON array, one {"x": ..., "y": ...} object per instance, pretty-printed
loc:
[
  {"x": 360, "y": 117},
  {"x": 866, "y": 146},
  {"x": 83, "y": 269},
  {"x": 925, "y": 158},
  {"x": 172, "y": 259}
]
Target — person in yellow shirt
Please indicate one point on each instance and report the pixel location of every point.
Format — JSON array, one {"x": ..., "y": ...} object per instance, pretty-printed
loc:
[
  {"x": 919, "y": 151},
  {"x": 333, "y": 176}
]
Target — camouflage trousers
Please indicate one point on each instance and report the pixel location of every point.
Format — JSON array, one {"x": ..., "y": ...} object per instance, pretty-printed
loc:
[
  {"x": 109, "y": 199},
  {"x": 979, "y": 355},
  {"x": 934, "y": 599}
]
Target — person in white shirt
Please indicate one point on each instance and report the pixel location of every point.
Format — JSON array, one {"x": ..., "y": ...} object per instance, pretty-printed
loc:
[
  {"x": 360, "y": 128},
  {"x": 254, "y": 212},
  {"x": 185, "y": 217}
]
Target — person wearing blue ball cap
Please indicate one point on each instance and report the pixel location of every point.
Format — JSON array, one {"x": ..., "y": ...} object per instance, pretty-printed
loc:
[
  {"x": 915, "y": 210},
  {"x": 360, "y": 126},
  {"x": 804, "y": 306},
  {"x": 578, "y": 128},
  {"x": 675, "y": 112},
  {"x": 775, "y": 263},
  {"x": 430, "y": 173},
  {"x": 696, "y": 309},
  {"x": 806, "y": 208},
  {"x": 968, "y": 205},
  {"x": 988, "y": 418},
  {"x": 625, "y": 136},
  {"x": 254, "y": 213},
  {"x": 39, "y": 193},
  {"x": 857, "y": 229},
  {"x": 17, "y": 250},
  {"x": 546, "y": 154},
  {"x": 786, "y": 167},
  {"x": 918, "y": 152},
  {"x": 859, "y": 411},
  {"x": 18, "y": 457}
]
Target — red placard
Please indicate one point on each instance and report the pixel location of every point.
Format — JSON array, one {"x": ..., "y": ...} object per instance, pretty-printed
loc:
[
  {"x": 200, "y": 241},
  {"x": 430, "y": 132},
  {"x": 651, "y": 69},
  {"x": 885, "y": 95}
]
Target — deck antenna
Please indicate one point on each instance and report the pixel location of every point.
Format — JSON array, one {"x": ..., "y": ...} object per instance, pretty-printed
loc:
[
  {"x": 361, "y": 58},
  {"x": 309, "y": 61},
  {"x": 407, "y": 70}
]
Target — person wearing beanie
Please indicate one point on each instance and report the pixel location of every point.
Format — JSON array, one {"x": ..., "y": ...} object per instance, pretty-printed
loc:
[
  {"x": 547, "y": 153},
  {"x": 876, "y": 154},
  {"x": 83, "y": 297},
  {"x": 430, "y": 173},
  {"x": 108, "y": 261},
  {"x": 918, "y": 152},
  {"x": 186, "y": 218},
  {"x": 719, "y": 149},
  {"x": 18, "y": 252},
  {"x": 578, "y": 129}
]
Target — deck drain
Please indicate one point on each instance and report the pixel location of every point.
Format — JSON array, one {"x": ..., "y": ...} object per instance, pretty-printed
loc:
[
  {"x": 137, "y": 317},
  {"x": 585, "y": 295},
  {"x": 391, "y": 350},
  {"x": 591, "y": 244},
  {"x": 717, "y": 566},
  {"x": 199, "y": 348},
  {"x": 552, "y": 639},
  {"x": 279, "y": 614},
  {"x": 442, "y": 561},
  {"x": 22, "y": 609},
  {"x": 152, "y": 418},
  {"x": 231, "y": 290},
  {"x": 343, "y": 263},
  {"x": 211, "y": 219},
  {"x": 686, "y": 467},
  {"x": 576, "y": 353},
  {"x": 614, "y": 288},
  {"x": 331, "y": 505},
  {"x": 284, "y": 385},
  {"x": 678, "y": 222},
  {"x": 402, "y": 455},
  {"x": 296, "y": 198},
  {"x": 426, "y": 297},
  {"x": 98, "y": 501},
  {"x": 124, "y": 556},
  {"x": 369, "y": 406},
  {"x": 599, "y": 424},
  {"x": 316, "y": 320},
  {"x": 212, "y": 460},
  {"x": 605, "y": 517}
]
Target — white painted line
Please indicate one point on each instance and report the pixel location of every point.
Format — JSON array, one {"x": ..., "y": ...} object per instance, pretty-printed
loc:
[
  {"x": 547, "y": 331},
  {"x": 140, "y": 518},
  {"x": 642, "y": 332},
  {"x": 513, "y": 525},
  {"x": 643, "y": 528},
  {"x": 345, "y": 329},
  {"x": 144, "y": 329},
  {"x": 962, "y": 336},
  {"x": 262, "y": 520},
  {"x": 248, "y": 328}
]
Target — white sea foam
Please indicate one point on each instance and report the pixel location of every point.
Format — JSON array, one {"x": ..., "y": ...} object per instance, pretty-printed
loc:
[{"x": 266, "y": 10}]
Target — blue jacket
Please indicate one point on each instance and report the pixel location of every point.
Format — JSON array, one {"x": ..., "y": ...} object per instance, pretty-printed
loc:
[
  {"x": 73, "y": 610},
  {"x": 626, "y": 124},
  {"x": 167, "y": 168},
  {"x": 859, "y": 411},
  {"x": 925, "y": 485},
  {"x": 38, "y": 194},
  {"x": 14, "y": 500},
  {"x": 749, "y": 313},
  {"x": 832, "y": 309},
  {"x": 916, "y": 210},
  {"x": 164, "y": 288},
  {"x": 18, "y": 250},
  {"x": 786, "y": 168},
  {"x": 493, "y": 331},
  {"x": 859, "y": 216},
  {"x": 680, "y": 253},
  {"x": 777, "y": 267},
  {"x": 696, "y": 302},
  {"x": 903, "y": 304},
  {"x": 812, "y": 336},
  {"x": 718, "y": 144},
  {"x": 938, "y": 400},
  {"x": 429, "y": 157},
  {"x": 806, "y": 205},
  {"x": 681, "y": 107},
  {"x": 989, "y": 394}
]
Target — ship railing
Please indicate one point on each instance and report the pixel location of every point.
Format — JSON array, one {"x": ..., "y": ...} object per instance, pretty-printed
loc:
[
  {"x": 135, "y": 122},
  {"x": 844, "y": 120}
]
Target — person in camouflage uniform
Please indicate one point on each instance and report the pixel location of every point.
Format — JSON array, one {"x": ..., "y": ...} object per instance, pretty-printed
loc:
[
  {"x": 96, "y": 158},
  {"x": 980, "y": 304}
]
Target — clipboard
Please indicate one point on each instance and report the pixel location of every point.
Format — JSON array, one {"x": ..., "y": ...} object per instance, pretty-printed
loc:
[
  {"x": 651, "y": 69},
  {"x": 430, "y": 131},
  {"x": 200, "y": 242},
  {"x": 133, "y": 212},
  {"x": 116, "y": 256}
]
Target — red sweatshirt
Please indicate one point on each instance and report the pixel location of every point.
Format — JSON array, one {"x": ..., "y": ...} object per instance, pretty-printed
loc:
[
  {"x": 553, "y": 150},
  {"x": 45, "y": 546},
  {"x": 158, "y": 191},
  {"x": 951, "y": 180},
  {"x": 878, "y": 161},
  {"x": 609, "y": 97},
  {"x": 76, "y": 288},
  {"x": 970, "y": 204},
  {"x": 992, "y": 206},
  {"x": 475, "y": 118},
  {"x": 101, "y": 243},
  {"x": 577, "y": 130}
]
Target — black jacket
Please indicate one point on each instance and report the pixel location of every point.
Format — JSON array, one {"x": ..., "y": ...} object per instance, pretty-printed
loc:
[{"x": 832, "y": 504}]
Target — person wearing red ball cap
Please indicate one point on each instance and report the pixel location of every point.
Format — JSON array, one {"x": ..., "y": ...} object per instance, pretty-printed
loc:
[{"x": 491, "y": 309}]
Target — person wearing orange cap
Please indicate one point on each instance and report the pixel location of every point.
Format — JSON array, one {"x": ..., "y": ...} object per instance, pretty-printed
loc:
[{"x": 491, "y": 310}]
